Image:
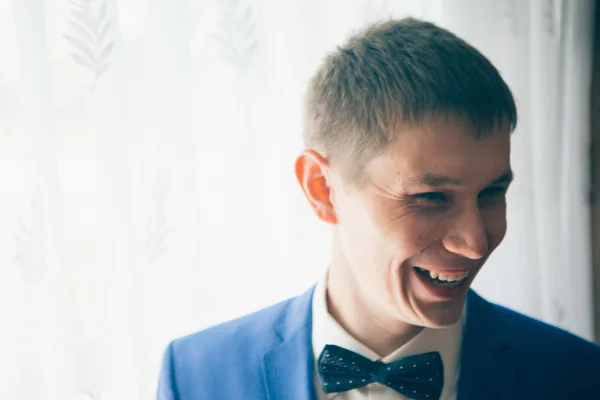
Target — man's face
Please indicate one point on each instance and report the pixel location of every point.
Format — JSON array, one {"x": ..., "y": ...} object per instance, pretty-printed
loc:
[{"x": 412, "y": 238}]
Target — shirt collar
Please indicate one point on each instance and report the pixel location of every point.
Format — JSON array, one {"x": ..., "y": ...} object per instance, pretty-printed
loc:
[{"x": 447, "y": 341}]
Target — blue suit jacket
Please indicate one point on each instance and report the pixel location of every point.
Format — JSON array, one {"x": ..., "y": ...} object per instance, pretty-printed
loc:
[{"x": 268, "y": 355}]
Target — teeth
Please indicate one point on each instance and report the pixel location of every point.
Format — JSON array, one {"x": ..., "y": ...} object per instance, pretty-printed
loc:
[
  {"x": 449, "y": 277},
  {"x": 446, "y": 277}
]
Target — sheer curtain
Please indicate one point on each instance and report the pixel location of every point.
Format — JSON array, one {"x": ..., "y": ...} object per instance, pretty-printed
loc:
[{"x": 147, "y": 188}]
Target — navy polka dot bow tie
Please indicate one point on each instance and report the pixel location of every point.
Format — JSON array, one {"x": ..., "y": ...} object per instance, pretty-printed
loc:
[{"x": 419, "y": 377}]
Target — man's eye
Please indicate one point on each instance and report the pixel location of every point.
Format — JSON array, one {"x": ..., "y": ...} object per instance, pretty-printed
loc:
[
  {"x": 433, "y": 197},
  {"x": 493, "y": 192},
  {"x": 492, "y": 197}
]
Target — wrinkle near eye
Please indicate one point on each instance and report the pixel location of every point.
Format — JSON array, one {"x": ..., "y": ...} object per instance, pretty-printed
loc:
[{"x": 397, "y": 215}]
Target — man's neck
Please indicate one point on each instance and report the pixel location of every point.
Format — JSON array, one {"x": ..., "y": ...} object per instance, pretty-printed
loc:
[{"x": 381, "y": 334}]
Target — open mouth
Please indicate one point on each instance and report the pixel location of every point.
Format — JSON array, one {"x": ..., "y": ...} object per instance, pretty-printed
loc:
[{"x": 444, "y": 280}]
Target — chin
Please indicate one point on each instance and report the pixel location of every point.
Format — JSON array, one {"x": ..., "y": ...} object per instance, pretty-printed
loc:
[{"x": 443, "y": 315}]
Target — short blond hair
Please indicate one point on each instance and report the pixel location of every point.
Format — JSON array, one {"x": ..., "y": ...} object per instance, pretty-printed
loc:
[{"x": 394, "y": 72}]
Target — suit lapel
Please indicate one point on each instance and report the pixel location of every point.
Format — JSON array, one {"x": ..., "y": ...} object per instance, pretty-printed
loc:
[
  {"x": 487, "y": 369},
  {"x": 289, "y": 367}
]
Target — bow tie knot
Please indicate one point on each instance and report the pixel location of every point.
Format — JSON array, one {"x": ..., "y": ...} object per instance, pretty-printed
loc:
[
  {"x": 380, "y": 372},
  {"x": 417, "y": 377}
]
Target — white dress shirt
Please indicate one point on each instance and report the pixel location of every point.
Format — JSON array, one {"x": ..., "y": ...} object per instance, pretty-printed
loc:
[{"x": 326, "y": 330}]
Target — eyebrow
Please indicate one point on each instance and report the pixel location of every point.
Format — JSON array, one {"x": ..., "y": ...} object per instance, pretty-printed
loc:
[
  {"x": 507, "y": 177},
  {"x": 435, "y": 180}
]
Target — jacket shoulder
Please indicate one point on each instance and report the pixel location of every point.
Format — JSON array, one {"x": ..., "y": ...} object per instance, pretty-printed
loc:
[
  {"x": 539, "y": 336},
  {"x": 546, "y": 353},
  {"x": 547, "y": 362},
  {"x": 225, "y": 359},
  {"x": 216, "y": 341}
]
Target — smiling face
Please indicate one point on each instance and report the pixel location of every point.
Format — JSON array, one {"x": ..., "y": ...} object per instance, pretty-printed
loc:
[{"x": 432, "y": 206}]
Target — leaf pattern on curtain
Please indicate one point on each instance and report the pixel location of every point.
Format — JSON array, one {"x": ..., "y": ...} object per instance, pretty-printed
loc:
[
  {"x": 30, "y": 248},
  {"x": 236, "y": 36},
  {"x": 158, "y": 230},
  {"x": 553, "y": 14},
  {"x": 90, "y": 37}
]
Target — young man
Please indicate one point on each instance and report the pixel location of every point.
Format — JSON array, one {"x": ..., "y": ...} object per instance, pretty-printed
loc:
[{"x": 407, "y": 157}]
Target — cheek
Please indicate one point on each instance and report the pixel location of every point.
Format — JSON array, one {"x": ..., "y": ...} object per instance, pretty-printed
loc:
[
  {"x": 414, "y": 233},
  {"x": 495, "y": 223},
  {"x": 361, "y": 236}
]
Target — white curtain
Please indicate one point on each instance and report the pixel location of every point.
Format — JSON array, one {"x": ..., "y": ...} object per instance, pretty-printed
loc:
[{"x": 146, "y": 172}]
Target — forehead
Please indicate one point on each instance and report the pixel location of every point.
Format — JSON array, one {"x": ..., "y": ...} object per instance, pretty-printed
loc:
[{"x": 442, "y": 147}]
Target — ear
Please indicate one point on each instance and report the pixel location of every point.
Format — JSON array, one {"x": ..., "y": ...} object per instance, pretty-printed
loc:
[{"x": 311, "y": 172}]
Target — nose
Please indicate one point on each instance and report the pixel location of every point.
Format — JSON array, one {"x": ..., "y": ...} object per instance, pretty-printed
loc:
[{"x": 467, "y": 236}]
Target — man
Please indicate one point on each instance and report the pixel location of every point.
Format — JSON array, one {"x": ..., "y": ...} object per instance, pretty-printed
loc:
[{"x": 407, "y": 157}]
